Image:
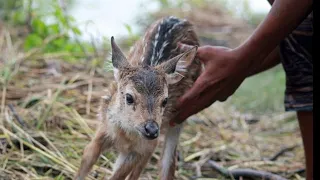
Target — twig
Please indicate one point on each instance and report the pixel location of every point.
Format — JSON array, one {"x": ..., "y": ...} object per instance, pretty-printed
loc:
[
  {"x": 94, "y": 46},
  {"x": 44, "y": 116},
  {"x": 236, "y": 173},
  {"x": 88, "y": 104},
  {"x": 294, "y": 172},
  {"x": 16, "y": 115},
  {"x": 3, "y": 99},
  {"x": 298, "y": 171},
  {"x": 282, "y": 151},
  {"x": 29, "y": 16}
]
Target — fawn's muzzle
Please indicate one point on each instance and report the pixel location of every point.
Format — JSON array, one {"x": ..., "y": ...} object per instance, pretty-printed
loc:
[{"x": 151, "y": 129}]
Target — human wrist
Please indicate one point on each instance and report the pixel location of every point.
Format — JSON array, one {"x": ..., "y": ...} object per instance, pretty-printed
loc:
[
  {"x": 245, "y": 60},
  {"x": 240, "y": 64},
  {"x": 254, "y": 51},
  {"x": 254, "y": 48},
  {"x": 269, "y": 62}
]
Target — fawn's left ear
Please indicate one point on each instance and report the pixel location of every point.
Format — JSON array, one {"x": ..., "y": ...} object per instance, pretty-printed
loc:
[
  {"x": 119, "y": 61},
  {"x": 177, "y": 66}
]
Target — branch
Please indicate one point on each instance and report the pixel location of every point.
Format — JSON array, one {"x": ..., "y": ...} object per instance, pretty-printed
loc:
[
  {"x": 282, "y": 151},
  {"x": 29, "y": 17},
  {"x": 236, "y": 173}
]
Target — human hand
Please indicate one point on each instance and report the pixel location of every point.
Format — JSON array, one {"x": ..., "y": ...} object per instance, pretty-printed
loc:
[{"x": 224, "y": 71}]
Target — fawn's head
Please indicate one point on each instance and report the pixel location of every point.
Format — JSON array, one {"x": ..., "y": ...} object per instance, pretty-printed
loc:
[{"x": 142, "y": 93}]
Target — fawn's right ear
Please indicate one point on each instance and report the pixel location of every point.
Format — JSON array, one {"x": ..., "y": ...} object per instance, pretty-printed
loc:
[
  {"x": 176, "y": 67},
  {"x": 119, "y": 61}
]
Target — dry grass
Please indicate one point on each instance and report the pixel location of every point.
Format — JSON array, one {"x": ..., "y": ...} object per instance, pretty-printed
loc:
[{"x": 48, "y": 115}]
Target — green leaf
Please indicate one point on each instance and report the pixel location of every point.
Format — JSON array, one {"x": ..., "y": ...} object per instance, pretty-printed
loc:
[
  {"x": 31, "y": 41},
  {"x": 53, "y": 29},
  {"x": 59, "y": 177},
  {"x": 76, "y": 48},
  {"x": 164, "y": 3},
  {"x": 128, "y": 27},
  {"x": 6, "y": 73},
  {"x": 39, "y": 27},
  {"x": 60, "y": 17},
  {"x": 76, "y": 31},
  {"x": 68, "y": 47},
  {"x": 70, "y": 18},
  {"x": 59, "y": 42},
  {"x": 18, "y": 17}
]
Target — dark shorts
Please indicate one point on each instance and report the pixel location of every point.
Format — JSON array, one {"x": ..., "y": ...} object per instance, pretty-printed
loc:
[{"x": 296, "y": 57}]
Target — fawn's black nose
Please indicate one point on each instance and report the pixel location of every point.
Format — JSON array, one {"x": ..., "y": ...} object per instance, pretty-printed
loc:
[{"x": 151, "y": 129}]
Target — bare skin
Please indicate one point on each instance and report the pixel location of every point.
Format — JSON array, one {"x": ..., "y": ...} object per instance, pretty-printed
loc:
[
  {"x": 232, "y": 66},
  {"x": 306, "y": 127}
]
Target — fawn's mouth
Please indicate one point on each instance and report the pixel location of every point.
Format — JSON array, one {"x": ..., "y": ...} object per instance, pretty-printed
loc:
[
  {"x": 150, "y": 130},
  {"x": 151, "y": 136},
  {"x": 147, "y": 135}
]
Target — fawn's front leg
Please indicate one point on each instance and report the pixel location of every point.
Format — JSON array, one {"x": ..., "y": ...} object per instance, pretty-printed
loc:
[
  {"x": 168, "y": 157},
  {"x": 124, "y": 165},
  {"x": 137, "y": 169},
  {"x": 92, "y": 152}
]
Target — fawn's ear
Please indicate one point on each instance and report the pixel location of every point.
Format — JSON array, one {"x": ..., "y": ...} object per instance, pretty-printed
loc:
[
  {"x": 176, "y": 67},
  {"x": 119, "y": 61}
]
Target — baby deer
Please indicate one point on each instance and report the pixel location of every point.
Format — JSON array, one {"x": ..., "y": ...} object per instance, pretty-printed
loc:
[{"x": 142, "y": 99}]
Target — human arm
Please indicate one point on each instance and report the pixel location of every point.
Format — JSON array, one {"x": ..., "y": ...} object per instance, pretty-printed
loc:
[
  {"x": 269, "y": 62},
  {"x": 282, "y": 19},
  {"x": 225, "y": 69}
]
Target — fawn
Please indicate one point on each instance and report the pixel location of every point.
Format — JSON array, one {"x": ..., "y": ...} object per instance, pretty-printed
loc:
[{"x": 141, "y": 100}]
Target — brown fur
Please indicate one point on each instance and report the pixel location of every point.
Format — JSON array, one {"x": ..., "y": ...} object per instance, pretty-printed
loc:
[{"x": 122, "y": 124}]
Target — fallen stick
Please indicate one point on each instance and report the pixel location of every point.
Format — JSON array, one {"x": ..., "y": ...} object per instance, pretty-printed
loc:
[
  {"x": 249, "y": 173},
  {"x": 297, "y": 171},
  {"x": 282, "y": 151}
]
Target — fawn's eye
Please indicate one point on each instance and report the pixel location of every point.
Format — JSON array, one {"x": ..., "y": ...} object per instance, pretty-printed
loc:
[
  {"x": 164, "y": 102},
  {"x": 129, "y": 99}
]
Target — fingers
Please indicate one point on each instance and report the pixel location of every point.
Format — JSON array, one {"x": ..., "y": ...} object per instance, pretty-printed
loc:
[
  {"x": 188, "y": 100},
  {"x": 205, "y": 99},
  {"x": 232, "y": 87},
  {"x": 196, "y": 106},
  {"x": 197, "y": 88},
  {"x": 203, "y": 53}
]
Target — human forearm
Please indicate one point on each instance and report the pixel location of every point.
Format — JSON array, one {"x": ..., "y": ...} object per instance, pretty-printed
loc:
[
  {"x": 269, "y": 62},
  {"x": 282, "y": 19}
]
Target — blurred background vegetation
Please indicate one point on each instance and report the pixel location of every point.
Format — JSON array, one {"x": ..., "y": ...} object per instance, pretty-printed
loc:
[
  {"x": 54, "y": 64},
  {"x": 49, "y": 26}
]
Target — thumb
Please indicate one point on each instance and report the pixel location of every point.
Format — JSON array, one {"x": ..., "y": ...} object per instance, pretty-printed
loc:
[{"x": 204, "y": 53}]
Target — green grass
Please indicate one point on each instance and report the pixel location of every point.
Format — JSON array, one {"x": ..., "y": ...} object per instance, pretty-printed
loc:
[{"x": 262, "y": 93}]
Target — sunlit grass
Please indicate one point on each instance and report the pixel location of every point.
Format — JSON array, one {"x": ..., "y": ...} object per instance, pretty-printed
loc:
[{"x": 262, "y": 93}]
